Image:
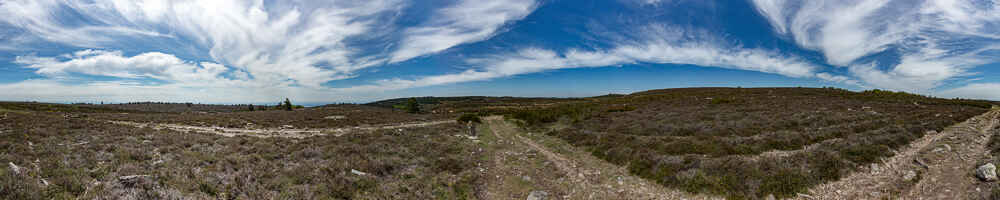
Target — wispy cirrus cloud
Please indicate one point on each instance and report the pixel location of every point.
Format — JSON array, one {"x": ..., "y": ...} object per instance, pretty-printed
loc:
[
  {"x": 305, "y": 42},
  {"x": 658, "y": 44},
  {"x": 931, "y": 41},
  {"x": 466, "y": 21},
  {"x": 255, "y": 43}
]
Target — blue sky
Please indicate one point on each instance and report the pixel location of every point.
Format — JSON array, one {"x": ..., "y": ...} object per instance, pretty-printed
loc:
[{"x": 231, "y": 51}]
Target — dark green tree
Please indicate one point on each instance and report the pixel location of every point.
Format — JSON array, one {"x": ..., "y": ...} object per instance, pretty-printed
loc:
[
  {"x": 251, "y": 107},
  {"x": 288, "y": 104},
  {"x": 412, "y": 106}
]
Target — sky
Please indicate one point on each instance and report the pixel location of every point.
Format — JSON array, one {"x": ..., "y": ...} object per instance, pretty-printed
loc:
[{"x": 322, "y": 51}]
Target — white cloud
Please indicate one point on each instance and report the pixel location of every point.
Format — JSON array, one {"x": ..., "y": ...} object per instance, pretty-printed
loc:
[
  {"x": 303, "y": 43},
  {"x": 660, "y": 45},
  {"x": 155, "y": 65},
  {"x": 466, "y": 21},
  {"x": 975, "y": 91},
  {"x": 936, "y": 40},
  {"x": 41, "y": 18},
  {"x": 274, "y": 42},
  {"x": 837, "y": 78},
  {"x": 131, "y": 91}
]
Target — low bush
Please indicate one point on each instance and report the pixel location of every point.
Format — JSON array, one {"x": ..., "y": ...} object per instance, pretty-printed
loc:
[
  {"x": 183, "y": 165},
  {"x": 469, "y": 117},
  {"x": 712, "y": 140}
]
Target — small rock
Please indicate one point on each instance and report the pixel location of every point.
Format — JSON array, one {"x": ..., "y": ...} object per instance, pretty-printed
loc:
[
  {"x": 287, "y": 127},
  {"x": 987, "y": 172},
  {"x": 359, "y": 173},
  {"x": 15, "y": 168},
  {"x": 132, "y": 180},
  {"x": 620, "y": 181},
  {"x": 909, "y": 175},
  {"x": 335, "y": 117},
  {"x": 770, "y": 197},
  {"x": 538, "y": 195},
  {"x": 874, "y": 168}
]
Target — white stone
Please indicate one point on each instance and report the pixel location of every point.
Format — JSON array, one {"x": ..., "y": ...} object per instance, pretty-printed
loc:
[
  {"x": 537, "y": 195},
  {"x": 987, "y": 172}
]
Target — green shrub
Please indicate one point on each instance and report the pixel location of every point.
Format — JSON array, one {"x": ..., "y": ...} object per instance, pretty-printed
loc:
[
  {"x": 469, "y": 117},
  {"x": 412, "y": 106}
]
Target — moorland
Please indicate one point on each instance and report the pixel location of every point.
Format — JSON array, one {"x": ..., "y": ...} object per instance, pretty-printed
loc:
[{"x": 694, "y": 143}]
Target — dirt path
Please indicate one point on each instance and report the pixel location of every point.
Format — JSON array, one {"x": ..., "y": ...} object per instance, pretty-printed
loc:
[
  {"x": 936, "y": 166},
  {"x": 523, "y": 163},
  {"x": 279, "y": 132}
]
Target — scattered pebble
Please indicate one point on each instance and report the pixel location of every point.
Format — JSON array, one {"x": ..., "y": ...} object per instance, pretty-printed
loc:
[{"x": 538, "y": 195}]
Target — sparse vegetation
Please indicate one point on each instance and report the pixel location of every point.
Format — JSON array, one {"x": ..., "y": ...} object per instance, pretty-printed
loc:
[
  {"x": 313, "y": 117},
  {"x": 85, "y": 159},
  {"x": 712, "y": 140},
  {"x": 735, "y": 142}
]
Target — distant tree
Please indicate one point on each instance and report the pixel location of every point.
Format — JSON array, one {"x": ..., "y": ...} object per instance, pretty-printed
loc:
[
  {"x": 251, "y": 107},
  {"x": 412, "y": 106},
  {"x": 288, "y": 104}
]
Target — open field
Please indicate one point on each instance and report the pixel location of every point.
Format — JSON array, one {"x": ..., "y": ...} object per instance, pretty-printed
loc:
[
  {"x": 695, "y": 143},
  {"x": 318, "y": 117},
  {"x": 54, "y": 156},
  {"x": 749, "y": 143},
  {"x": 176, "y": 107}
]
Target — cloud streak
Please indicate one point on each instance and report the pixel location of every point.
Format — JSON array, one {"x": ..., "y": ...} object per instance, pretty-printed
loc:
[
  {"x": 659, "y": 44},
  {"x": 935, "y": 41},
  {"x": 466, "y": 21},
  {"x": 301, "y": 43},
  {"x": 154, "y": 65}
]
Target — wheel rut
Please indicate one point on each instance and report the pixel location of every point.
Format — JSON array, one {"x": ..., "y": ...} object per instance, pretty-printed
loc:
[
  {"x": 576, "y": 173},
  {"x": 939, "y": 165}
]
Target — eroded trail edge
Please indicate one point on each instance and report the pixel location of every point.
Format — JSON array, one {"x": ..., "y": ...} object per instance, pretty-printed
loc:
[
  {"x": 936, "y": 166},
  {"x": 279, "y": 132}
]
